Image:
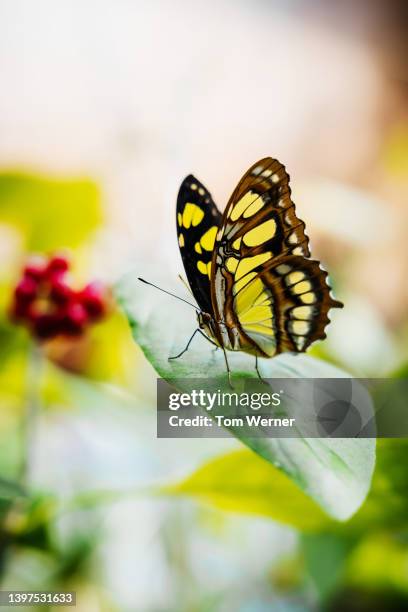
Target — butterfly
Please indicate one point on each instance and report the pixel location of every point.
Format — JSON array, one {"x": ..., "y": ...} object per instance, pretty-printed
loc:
[{"x": 249, "y": 269}]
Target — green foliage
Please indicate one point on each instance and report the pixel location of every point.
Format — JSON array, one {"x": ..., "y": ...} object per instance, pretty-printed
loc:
[
  {"x": 325, "y": 556},
  {"x": 379, "y": 563},
  {"x": 335, "y": 473},
  {"x": 50, "y": 213},
  {"x": 30, "y": 549},
  {"x": 386, "y": 506},
  {"x": 10, "y": 490},
  {"x": 369, "y": 552}
]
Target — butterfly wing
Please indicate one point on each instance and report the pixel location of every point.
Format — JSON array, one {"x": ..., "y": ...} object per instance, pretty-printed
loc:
[
  {"x": 269, "y": 295},
  {"x": 198, "y": 221}
]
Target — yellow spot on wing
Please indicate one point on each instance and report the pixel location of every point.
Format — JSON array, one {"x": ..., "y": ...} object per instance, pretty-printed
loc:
[
  {"x": 247, "y": 296},
  {"x": 243, "y": 281},
  {"x": 208, "y": 239},
  {"x": 192, "y": 215},
  {"x": 188, "y": 214},
  {"x": 300, "y": 327},
  {"x": 260, "y": 234},
  {"x": 249, "y": 263},
  {"x": 302, "y": 287},
  {"x": 237, "y": 244},
  {"x": 253, "y": 306},
  {"x": 181, "y": 240},
  {"x": 197, "y": 248},
  {"x": 242, "y": 205},
  {"x": 179, "y": 219},
  {"x": 295, "y": 277},
  {"x": 265, "y": 297},
  {"x": 259, "y": 328},
  {"x": 198, "y": 216},
  {"x": 308, "y": 298},
  {"x": 283, "y": 269},
  {"x": 202, "y": 267},
  {"x": 257, "y": 314},
  {"x": 300, "y": 342},
  {"x": 253, "y": 208},
  {"x": 302, "y": 312},
  {"x": 231, "y": 264}
]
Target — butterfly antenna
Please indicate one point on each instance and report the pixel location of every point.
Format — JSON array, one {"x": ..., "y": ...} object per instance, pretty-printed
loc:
[
  {"x": 168, "y": 292},
  {"x": 185, "y": 284}
]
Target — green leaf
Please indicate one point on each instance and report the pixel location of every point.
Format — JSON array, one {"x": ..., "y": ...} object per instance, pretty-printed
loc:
[
  {"x": 10, "y": 490},
  {"x": 243, "y": 482},
  {"x": 379, "y": 564},
  {"x": 325, "y": 556},
  {"x": 50, "y": 213},
  {"x": 386, "y": 507},
  {"x": 401, "y": 372},
  {"x": 335, "y": 473}
]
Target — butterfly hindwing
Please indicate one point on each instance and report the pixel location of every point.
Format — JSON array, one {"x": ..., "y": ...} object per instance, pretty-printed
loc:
[
  {"x": 284, "y": 306},
  {"x": 198, "y": 220},
  {"x": 263, "y": 283}
]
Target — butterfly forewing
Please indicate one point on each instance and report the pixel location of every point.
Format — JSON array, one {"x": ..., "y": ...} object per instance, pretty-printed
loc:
[
  {"x": 270, "y": 296},
  {"x": 198, "y": 220},
  {"x": 260, "y": 215}
]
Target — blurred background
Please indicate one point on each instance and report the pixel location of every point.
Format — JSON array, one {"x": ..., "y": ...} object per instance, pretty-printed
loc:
[{"x": 105, "y": 107}]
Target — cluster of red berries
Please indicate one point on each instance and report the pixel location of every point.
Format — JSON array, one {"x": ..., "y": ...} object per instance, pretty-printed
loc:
[{"x": 45, "y": 302}]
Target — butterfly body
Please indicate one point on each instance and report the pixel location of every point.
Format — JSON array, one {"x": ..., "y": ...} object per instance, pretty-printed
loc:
[{"x": 249, "y": 268}]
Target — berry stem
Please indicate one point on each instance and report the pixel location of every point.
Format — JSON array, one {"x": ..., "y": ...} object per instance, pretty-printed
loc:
[{"x": 32, "y": 410}]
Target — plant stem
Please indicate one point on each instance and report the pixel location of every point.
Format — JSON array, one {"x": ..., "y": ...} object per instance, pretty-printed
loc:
[{"x": 33, "y": 406}]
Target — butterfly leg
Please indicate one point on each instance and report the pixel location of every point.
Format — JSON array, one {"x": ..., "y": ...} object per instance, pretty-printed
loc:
[
  {"x": 258, "y": 372},
  {"x": 188, "y": 344},
  {"x": 228, "y": 368},
  {"x": 209, "y": 339}
]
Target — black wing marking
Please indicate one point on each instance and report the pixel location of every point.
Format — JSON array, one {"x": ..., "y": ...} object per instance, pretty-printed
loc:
[{"x": 198, "y": 220}]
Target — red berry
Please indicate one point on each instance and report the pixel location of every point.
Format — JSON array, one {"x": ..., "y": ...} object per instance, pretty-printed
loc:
[
  {"x": 26, "y": 290},
  {"x": 58, "y": 263},
  {"x": 34, "y": 271},
  {"x": 77, "y": 313},
  {"x": 46, "y": 326},
  {"x": 35, "y": 267},
  {"x": 75, "y": 319},
  {"x": 93, "y": 299},
  {"x": 60, "y": 292},
  {"x": 45, "y": 302}
]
